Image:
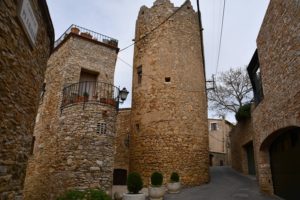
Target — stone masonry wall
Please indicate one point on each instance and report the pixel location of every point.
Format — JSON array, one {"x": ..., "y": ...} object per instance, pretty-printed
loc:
[
  {"x": 278, "y": 51},
  {"x": 22, "y": 70},
  {"x": 122, "y": 139},
  {"x": 241, "y": 135},
  {"x": 69, "y": 153},
  {"x": 169, "y": 119}
]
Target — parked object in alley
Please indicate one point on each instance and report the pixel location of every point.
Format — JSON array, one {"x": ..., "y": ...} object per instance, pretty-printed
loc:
[
  {"x": 156, "y": 189},
  {"x": 134, "y": 185},
  {"x": 174, "y": 184}
]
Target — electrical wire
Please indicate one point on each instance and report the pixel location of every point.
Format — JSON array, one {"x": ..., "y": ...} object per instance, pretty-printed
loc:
[
  {"x": 220, "y": 40},
  {"x": 152, "y": 30}
]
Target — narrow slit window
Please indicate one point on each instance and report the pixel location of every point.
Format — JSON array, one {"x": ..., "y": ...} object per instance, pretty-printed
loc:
[
  {"x": 137, "y": 126},
  {"x": 139, "y": 74}
]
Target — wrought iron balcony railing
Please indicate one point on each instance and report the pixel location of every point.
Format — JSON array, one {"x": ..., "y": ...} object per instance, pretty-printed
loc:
[
  {"x": 90, "y": 92},
  {"x": 88, "y": 34}
]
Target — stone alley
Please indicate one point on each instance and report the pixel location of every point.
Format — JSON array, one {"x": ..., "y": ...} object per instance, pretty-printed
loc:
[{"x": 225, "y": 184}]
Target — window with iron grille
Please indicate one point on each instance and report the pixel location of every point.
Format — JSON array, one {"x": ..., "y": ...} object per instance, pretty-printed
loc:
[{"x": 101, "y": 128}]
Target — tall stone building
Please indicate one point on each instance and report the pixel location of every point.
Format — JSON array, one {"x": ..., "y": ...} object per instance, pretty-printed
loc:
[
  {"x": 275, "y": 72},
  {"x": 169, "y": 110},
  {"x": 26, "y": 41},
  {"x": 274, "y": 128},
  {"x": 75, "y": 125},
  {"x": 219, "y": 143}
]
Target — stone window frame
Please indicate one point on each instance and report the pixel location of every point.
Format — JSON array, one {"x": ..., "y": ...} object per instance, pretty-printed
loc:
[{"x": 254, "y": 72}]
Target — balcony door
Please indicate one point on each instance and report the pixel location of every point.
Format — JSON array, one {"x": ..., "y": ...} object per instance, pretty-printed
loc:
[{"x": 87, "y": 86}]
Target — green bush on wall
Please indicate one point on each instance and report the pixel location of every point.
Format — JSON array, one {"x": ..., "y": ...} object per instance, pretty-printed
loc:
[
  {"x": 174, "y": 177},
  {"x": 156, "y": 179},
  {"x": 92, "y": 194},
  {"x": 243, "y": 113},
  {"x": 134, "y": 183}
]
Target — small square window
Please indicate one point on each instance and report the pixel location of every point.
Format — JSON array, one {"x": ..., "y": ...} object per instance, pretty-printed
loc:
[
  {"x": 213, "y": 126},
  {"x": 101, "y": 128},
  {"x": 167, "y": 79}
]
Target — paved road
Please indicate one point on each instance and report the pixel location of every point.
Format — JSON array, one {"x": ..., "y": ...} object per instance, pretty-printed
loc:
[{"x": 226, "y": 184}]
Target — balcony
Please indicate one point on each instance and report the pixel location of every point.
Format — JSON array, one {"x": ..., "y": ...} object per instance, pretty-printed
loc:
[
  {"x": 86, "y": 33},
  {"x": 91, "y": 92}
]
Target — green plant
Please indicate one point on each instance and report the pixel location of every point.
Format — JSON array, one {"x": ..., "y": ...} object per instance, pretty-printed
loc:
[
  {"x": 243, "y": 113},
  {"x": 134, "y": 183},
  {"x": 86, "y": 94},
  {"x": 156, "y": 179},
  {"x": 72, "y": 195},
  {"x": 174, "y": 177},
  {"x": 92, "y": 194}
]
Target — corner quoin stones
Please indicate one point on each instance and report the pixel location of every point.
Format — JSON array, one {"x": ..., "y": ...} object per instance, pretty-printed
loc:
[
  {"x": 22, "y": 67},
  {"x": 169, "y": 129}
]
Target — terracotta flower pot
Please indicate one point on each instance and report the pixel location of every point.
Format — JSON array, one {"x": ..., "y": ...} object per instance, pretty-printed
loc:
[
  {"x": 86, "y": 35},
  {"x": 103, "y": 100},
  {"x": 111, "y": 102},
  {"x": 75, "y": 30}
]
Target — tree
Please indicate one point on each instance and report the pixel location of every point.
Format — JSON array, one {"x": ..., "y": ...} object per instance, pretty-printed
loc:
[{"x": 232, "y": 90}]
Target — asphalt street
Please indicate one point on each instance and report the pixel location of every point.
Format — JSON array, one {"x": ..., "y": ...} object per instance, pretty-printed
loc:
[{"x": 225, "y": 184}]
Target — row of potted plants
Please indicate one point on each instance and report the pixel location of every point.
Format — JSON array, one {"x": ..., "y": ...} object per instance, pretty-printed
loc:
[
  {"x": 156, "y": 189},
  {"x": 111, "y": 42}
]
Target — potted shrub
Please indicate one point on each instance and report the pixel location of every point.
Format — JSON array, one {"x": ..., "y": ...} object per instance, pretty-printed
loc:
[
  {"x": 134, "y": 185},
  {"x": 86, "y": 96},
  {"x": 156, "y": 189},
  {"x": 103, "y": 100},
  {"x": 86, "y": 35},
  {"x": 174, "y": 184},
  {"x": 111, "y": 101}
]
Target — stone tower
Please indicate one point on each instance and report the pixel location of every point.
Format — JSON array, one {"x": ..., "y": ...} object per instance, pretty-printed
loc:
[
  {"x": 169, "y": 110},
  {"x": 75, "y": 125}
]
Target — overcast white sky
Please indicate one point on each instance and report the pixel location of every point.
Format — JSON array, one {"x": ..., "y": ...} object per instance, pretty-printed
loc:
[{"x": 116, "y": 18}]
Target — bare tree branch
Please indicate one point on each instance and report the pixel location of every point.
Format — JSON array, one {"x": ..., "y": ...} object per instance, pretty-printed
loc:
[{"x": 233, "y": 89}]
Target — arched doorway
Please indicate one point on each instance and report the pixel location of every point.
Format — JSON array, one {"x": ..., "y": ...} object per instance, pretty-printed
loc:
[
  {"x": 285, "y": 164},
  {"x": 120, "y": 177}
]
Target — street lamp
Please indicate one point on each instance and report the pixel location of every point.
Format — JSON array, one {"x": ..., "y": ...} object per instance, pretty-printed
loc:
[{"x": 123, "y": 94}]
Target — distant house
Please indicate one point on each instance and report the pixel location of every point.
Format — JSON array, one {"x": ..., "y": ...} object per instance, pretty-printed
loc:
[{"x": 219, "y": 143}]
